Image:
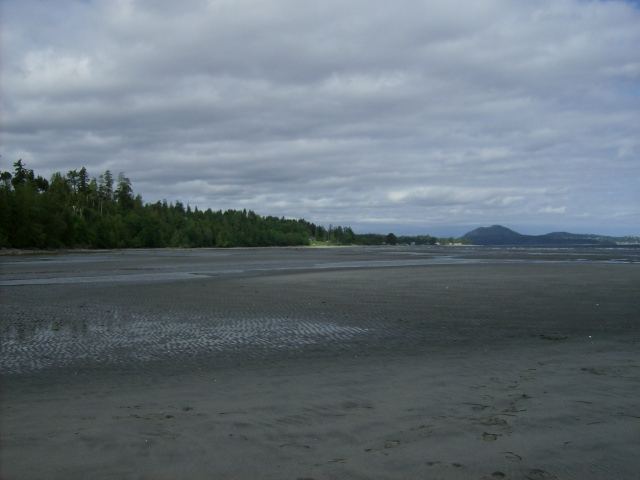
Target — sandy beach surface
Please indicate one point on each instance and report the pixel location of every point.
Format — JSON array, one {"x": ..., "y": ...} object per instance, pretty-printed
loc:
[{"x": 386, "y": 363}]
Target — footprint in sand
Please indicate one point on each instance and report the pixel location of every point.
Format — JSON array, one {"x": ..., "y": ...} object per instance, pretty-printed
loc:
[
  {"x": 444, "y": 464},
  {"x": 512, "y": 456},
  {"x": 295, "y": 445},
  {"x": 593, "y": 370},
  {"x": 423, "y": 426},
  {"x": 539, "y": 474},
  {"x": 493, "y": 421},
  {"x": 477, "y": 407},
  {"x": 494, "y": 476},
  {"x": 553, "y": 337},
  {"x": 490, "y": 437}
]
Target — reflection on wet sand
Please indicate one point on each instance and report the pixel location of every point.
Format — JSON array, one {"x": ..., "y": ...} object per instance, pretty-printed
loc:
[{"x": 133, "y": 338}]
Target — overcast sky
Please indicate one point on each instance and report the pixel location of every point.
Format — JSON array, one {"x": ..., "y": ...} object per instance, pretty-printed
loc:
[{"x": 411, "y": 116}]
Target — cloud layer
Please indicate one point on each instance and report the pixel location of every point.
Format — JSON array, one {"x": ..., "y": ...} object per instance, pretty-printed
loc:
[{"x": 420, "y": 116}]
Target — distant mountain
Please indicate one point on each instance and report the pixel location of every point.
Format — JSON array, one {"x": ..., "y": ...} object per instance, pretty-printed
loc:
[
  {"x": 499, "y": 235},
  {"x": 493, "y": 235}
]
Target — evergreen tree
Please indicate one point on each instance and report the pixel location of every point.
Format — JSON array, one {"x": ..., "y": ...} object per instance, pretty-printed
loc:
[{"x": 74, "y": 210}]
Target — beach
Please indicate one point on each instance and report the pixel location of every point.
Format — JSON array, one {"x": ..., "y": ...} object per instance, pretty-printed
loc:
[{"x": 391, "y": 362}]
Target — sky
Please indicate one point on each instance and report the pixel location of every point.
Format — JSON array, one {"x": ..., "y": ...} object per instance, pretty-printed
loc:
[{"x": 414, "y": 117}]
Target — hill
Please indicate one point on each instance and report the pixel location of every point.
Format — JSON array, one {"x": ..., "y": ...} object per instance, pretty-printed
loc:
[
  {"x": 499, "y": 235},
  {"x": 493, "y": 235}
]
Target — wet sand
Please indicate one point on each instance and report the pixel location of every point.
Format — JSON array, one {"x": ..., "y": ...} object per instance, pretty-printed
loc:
[{"x": 321, "y": 363}]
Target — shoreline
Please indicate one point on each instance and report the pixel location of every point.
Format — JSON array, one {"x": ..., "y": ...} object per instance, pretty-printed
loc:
[{"x": 9, "y": 252}]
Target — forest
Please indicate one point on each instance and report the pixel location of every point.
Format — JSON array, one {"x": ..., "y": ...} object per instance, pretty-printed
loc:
[{"x": 76, "y": 211}]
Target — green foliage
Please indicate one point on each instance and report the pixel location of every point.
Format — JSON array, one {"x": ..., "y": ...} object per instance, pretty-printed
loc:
[
  {"x": 390, "y": 239},
  {"x": 418, "y": 240},
  {"x": 74, "y": 210}
]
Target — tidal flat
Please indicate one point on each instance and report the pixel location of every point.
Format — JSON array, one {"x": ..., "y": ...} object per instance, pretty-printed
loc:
[{"x": 351, "y": 362}]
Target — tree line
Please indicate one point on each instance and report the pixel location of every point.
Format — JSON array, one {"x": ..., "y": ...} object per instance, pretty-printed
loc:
[{"x": 74, "y": 210}]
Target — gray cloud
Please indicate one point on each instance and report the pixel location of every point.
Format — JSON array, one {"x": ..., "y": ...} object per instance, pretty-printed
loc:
[{"x": 422, "y": 116}]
